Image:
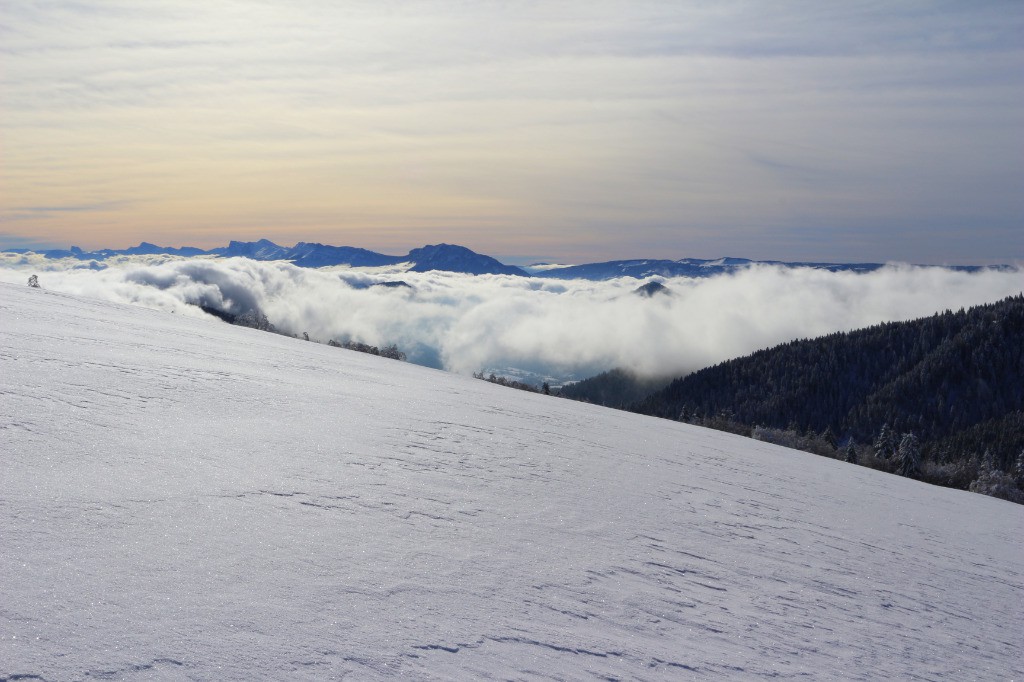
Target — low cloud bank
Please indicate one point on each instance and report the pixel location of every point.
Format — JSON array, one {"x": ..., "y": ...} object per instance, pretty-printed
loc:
[{"x": 465, "y": 323}]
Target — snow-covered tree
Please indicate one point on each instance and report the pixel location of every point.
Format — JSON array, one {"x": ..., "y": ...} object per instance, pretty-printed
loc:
[
  {"x": 885, "y": 444},
  {"x": 829, "y": 436},
  {"x": 850, "y": 452},
  {"x": 256, "y": 320},
  {"x": 392, "y": 352},
  {"x": 33, "y": 281},
  {"x": 988, "y": 461},
  {"x": 997, "y": 484},
  {"x": 908, "y": 456}
]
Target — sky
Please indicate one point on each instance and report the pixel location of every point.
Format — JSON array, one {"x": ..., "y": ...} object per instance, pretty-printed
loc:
[{"x": 567, "y": 132}]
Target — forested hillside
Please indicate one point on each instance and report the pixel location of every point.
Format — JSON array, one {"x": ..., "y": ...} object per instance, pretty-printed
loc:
[
  {"x": 614, "y": 388},
  {"x": 954, "y": 380}
]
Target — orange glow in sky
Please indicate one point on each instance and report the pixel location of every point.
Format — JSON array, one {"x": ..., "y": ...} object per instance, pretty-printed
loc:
[{"x": 575, "y": 131}]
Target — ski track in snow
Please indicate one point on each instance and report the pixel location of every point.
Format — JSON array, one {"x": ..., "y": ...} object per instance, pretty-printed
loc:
[{"x": 186, "y": 500}]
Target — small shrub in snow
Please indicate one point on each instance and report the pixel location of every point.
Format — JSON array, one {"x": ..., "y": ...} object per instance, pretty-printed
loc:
[
  {"x": 997, "y": 484},
  {"x": 390, "y": 352},
  {"x": 256, "y": 320}
]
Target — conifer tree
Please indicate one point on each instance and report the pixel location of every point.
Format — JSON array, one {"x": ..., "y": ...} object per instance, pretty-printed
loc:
[
  {"x": 885, "y": 444},
  {"x": 829, "y": 436},
  {"x": 988, "y": 462},
  {"x": 851, "y": 452},
  {"x": 909, "y": 456}
]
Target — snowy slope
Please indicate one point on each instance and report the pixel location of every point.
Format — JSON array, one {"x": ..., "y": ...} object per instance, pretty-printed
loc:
[{"x": 183, "y": 499}]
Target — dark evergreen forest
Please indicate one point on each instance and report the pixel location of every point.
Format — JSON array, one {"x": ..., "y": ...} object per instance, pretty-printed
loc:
[
  {"x": 953, "y": 381},
  {"x": 615, "y": 388}
]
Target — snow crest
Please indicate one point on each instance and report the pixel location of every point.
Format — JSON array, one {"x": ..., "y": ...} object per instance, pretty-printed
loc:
[{"x": 184, "y": 499}]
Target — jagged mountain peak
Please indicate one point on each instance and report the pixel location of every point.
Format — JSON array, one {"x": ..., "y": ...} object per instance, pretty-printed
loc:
[{"x": 453, "y": 257}]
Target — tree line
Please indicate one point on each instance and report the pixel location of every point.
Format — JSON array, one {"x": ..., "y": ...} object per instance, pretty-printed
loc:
[{"x": 940, "y": 399}]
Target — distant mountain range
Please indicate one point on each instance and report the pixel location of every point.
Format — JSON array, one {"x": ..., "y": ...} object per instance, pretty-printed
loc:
[
  {"x": 454, "y": 258},
  {"x": 446, "y": 257},
  {"x": 696, "y": 267}
]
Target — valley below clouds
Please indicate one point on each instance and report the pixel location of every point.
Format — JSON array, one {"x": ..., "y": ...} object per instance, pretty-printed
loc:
[{"x": 558, "y": 328}]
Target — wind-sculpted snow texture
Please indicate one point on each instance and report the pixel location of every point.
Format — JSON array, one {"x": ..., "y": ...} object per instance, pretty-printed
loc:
[{"x": 184, "y": 499}]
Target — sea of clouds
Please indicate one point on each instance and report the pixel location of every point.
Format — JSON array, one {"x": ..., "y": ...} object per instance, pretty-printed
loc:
[{"x": 555, "y": 328}]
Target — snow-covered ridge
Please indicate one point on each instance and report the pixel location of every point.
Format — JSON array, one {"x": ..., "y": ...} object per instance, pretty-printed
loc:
[
  {"x": 443, "y": 257},
  {"x": 455, "y": 258},
  {"x": 184, "y": 499}
]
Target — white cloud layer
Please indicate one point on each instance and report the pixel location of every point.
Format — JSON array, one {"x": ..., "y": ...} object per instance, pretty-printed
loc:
[{"x": 466, "y": 323}]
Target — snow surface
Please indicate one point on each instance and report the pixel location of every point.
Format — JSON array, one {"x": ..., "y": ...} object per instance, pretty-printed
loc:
[{"x": 184, "y": 499}]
